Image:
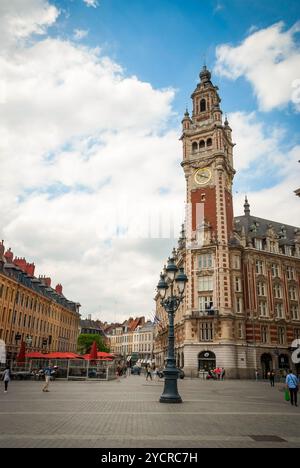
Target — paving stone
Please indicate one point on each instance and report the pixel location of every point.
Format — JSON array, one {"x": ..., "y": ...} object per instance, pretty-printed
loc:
[{"x": 128, "y": 414}]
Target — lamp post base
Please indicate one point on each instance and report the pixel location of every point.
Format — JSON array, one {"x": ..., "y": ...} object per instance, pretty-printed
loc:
[
  {"x": 170, "y": 393},
  {"x": 170, "y": 399}
]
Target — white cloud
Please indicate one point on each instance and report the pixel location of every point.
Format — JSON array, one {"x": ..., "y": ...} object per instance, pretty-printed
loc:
[
  {"x": 218, "y": 7},
  {"x": 271, "y": 203},
  {"x": 91, "y": 3},
  {"x": 270, "y": 60},
  {"x": 80, "y": 142},
  {"x": 267, "y": 170},
  {"x": 80, "y": 34},
  {"x": 254, "y": 141},
  {"x": 20, "y": 19}
]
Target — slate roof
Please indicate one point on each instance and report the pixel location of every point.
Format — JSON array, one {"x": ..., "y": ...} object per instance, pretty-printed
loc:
[{"x": 257, "y": 227}]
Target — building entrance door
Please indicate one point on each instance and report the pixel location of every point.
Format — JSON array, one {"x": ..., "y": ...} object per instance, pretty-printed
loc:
[
  {"x": 206, "y": 361},
  {"x": 283, "y": 362},
  {"x": 266, "y": 364}
]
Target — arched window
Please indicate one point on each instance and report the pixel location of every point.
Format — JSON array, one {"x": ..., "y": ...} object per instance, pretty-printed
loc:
[
  {"x": 202, "y": 105},
  {"x": 209, "y": 142},
  {"x": 194, "y": 147},
  {"x": 202, "y": 144}
]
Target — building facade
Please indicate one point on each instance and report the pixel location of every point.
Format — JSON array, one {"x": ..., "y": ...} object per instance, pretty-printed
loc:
[
  {"x": 143, "y": 341},
  {"x": 32, "y": 311},
  {"x": 241, "y": 307},
  {"x": 133, "y": 340}
]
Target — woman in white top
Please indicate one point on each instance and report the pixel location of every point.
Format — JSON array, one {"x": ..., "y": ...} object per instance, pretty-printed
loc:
[{"x": 6, "y": 378}]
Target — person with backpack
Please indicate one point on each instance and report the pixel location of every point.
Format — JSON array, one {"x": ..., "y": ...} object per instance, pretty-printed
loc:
[
  {"x": 47, "y": 374},
  {"x": 292, "y": 382}
]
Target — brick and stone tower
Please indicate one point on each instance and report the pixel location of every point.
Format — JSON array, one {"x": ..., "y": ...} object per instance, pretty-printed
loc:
[{"x": 208, "y": 168}]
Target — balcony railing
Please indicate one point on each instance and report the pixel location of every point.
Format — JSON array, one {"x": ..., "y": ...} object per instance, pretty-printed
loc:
[{"x": 205, "y": 313}]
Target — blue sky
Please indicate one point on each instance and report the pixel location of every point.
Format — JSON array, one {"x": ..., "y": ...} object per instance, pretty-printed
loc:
[
  {"x": 166, "y": 42},
  {"x": 91, "y": 102}
]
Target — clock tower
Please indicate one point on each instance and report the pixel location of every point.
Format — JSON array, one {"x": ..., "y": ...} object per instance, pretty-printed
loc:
[{"x": 208, "y": 167}]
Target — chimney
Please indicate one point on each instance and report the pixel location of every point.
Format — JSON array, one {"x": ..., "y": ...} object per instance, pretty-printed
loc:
[
  {"x": 45, "y": 281},
  {"x": 9, "y": 256},
  {"x": 30, "y": 267},
  {"x": 59, "y": 289},
  {"x": 2, "y": 249},
  {"x": 21, "y": 263},
  {"x": 48, "y": 282}
]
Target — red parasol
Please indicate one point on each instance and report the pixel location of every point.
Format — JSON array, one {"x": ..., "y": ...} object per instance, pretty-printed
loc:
[
  {"x": 94, "y": 351},
  {"x": 60, "y": 355},
  {"x": 35, "y": 355},
  {"x": 21, "y": 355}
]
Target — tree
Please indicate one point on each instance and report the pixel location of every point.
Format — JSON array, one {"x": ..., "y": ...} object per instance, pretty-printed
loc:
[{"x": 86, "y": 340}]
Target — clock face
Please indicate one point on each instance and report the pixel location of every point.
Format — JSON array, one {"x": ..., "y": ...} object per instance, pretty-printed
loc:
[{"x": 202, "y": 176}]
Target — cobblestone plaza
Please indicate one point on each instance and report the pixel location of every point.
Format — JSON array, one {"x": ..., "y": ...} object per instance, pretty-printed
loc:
[{"x": 128, "y": 414}]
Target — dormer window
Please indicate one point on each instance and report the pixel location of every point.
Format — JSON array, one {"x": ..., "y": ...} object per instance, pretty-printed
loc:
[
  {"x": 258, "y": 244},
  {"x": 288, "y": 250},
  {"x": 202, "y": 105}
]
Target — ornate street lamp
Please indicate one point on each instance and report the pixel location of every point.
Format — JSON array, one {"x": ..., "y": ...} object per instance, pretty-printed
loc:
[{"x": 171, "y": 303}]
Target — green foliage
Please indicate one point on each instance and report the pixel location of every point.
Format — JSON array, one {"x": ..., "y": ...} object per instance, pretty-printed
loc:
[{"x": 85, "y": 342}]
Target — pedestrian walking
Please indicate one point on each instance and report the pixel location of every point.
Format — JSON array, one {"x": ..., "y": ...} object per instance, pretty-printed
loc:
[
  {"x": 223, "y": 374},
  {"x": 148, "y": 373},
  {"x": 118, "y": 373},
  {"x": 292, "y": 383},
  {"x": 272, "y": 378},
  {"x": 256, "y": 375},
  {"x": 47, "y": 374},
  {"x": 156, "y": 374},
  {"x": 6, "y": 377}
]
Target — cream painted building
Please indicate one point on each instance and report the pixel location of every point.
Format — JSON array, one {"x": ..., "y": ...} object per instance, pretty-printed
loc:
[{"x": 143, "y": 341}]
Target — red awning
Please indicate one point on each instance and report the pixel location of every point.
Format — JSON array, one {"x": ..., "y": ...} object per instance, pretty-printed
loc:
[
  {"x": 59, "y": 355},
  {"x": 35, "y": 355},
  {"x": 101, "y": 356}
]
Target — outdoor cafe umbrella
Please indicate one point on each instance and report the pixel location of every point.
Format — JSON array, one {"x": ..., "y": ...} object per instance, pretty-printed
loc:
[
  {"x": 21, "y": 355},
  {"x": 35, "y": 355},
  {"x": 94, "y": 351},
  {"x": 62, "y": 355}
]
